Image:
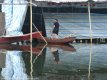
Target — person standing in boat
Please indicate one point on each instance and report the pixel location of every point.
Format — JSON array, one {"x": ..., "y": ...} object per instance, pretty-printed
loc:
[{"x": 55, "y": 29}]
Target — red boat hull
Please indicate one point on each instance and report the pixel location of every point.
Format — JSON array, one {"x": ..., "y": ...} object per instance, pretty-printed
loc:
[
  {"x": 36, "y": 35},
  {"x": 57, "y": 40},
  {"x": 12, "y": 39}
]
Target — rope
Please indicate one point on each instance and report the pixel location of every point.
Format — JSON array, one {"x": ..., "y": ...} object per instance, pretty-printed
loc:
[
  {"x": 39, "y": 33},
  {"x": 39, "y": 53}
]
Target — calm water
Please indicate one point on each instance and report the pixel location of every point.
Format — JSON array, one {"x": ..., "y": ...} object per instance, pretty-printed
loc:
[
  {"x": 77, "y": 24},
  {"x": 55, "y": 62}
]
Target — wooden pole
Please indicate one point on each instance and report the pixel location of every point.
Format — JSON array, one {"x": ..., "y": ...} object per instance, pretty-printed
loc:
[
  {"x": 31, "y": 39},
  {"x": 30, "y": 21},
  {"x": 90, "y": 57}
]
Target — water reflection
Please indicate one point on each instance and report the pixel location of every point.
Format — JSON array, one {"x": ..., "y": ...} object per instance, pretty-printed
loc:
[
  {"x": 71, "y": 62},
  {"x": 23, "y": 48},
  {"x": 65, "y": 47},
  {"x": 14, "y": 66},
  {"x": 55, "y": 54},
  {"x": 54, "y": 48},
  {"x": 76, "y": 65},
  {"x": 2, "y": 58}
]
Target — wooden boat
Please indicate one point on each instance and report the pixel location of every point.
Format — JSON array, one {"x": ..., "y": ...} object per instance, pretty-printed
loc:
[
  {"x": 11, "y": 39},
  {"x": 37, "y": 35},
  {"x": 24, "y": 48},
  {"x": 57, "y": 40}
]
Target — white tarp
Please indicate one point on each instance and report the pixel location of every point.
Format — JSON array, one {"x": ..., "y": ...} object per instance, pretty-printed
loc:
[
  {"x": 14, "y": 15},
  {"x": 14, "y": 67}
]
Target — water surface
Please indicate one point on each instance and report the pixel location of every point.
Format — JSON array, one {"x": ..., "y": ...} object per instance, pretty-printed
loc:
[{"x": 55, "y": 62}]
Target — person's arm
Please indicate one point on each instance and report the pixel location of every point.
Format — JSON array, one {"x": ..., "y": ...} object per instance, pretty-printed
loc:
[{"x": 53, "y": 25}]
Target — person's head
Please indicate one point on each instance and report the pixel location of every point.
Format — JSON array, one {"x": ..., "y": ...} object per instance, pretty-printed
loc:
[{"x": 55, "y": 20}]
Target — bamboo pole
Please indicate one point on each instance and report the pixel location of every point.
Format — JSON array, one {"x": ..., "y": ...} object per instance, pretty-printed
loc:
[
  {"x": 90, "y": 56},
  {"x": 31, "y": 39}
]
